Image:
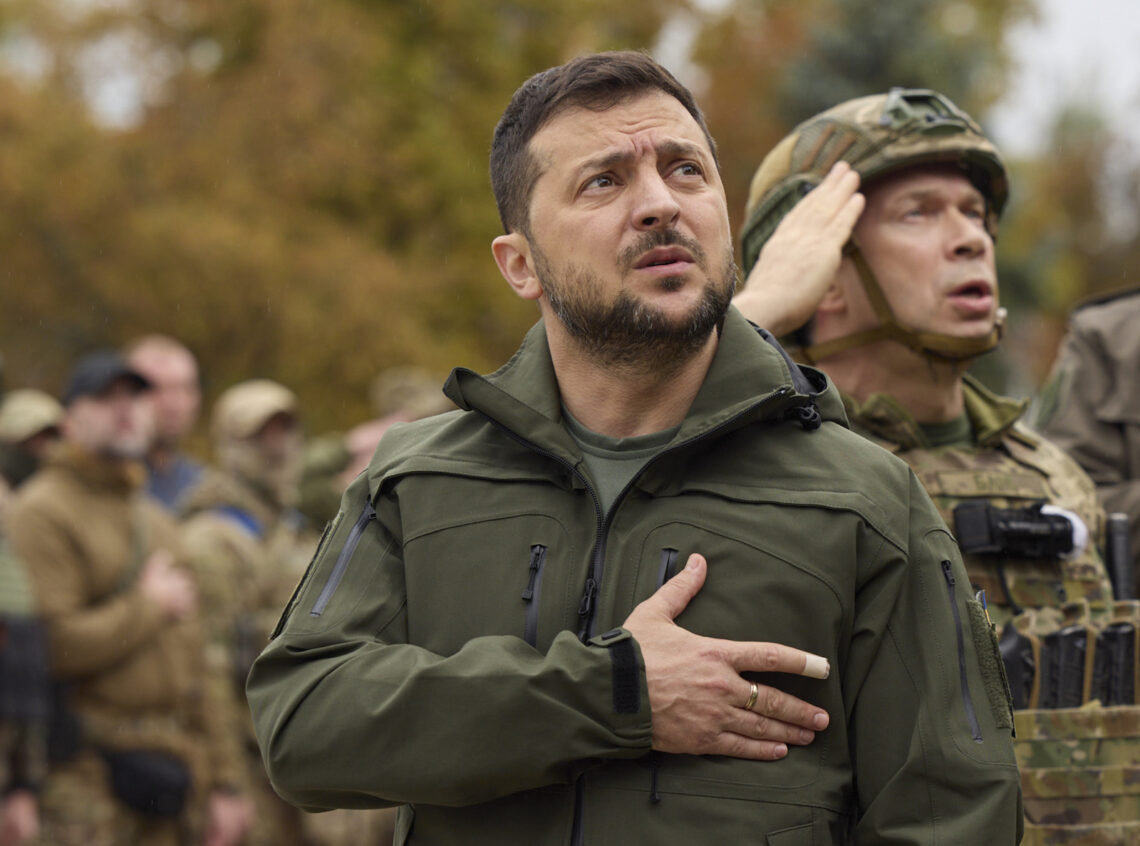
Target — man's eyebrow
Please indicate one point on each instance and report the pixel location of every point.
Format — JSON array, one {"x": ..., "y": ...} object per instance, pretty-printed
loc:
[
  {"x": 669, "y": 149},
  {"x": 934, "y": 193}
]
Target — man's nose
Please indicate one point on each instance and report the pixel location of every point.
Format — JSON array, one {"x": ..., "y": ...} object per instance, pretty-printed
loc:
[
  {"x": 655, "y": 206},
  {"x": 968, "y": 237}
]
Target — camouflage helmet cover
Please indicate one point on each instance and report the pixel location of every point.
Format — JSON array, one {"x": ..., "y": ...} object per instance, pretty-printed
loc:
[{"x": 876, "y": 135}]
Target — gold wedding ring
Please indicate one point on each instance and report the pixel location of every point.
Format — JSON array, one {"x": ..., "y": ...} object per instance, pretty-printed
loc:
[{"x": 752, "y": 694}]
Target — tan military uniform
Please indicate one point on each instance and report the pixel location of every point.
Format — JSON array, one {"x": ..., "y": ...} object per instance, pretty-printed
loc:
[
  {"x": 138, "y": 679},
  {"x": 249, "y": 553},
  {"x": 247, "y": 560},
  {"x": 1090, "y": 406}
]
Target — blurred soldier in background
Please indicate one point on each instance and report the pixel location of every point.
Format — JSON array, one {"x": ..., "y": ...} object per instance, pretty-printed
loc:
[
  {"x": 1091, "y": 403},
  {"x": 148, "y": 762},
  {"x": 249, "y": 548},
  {"x": 23, "y": 698},
  {"x": 332, "y": 461},
  {"x": 893, "y": 292},
  {"x": 176, "y": 394},
  {"x": 29, "y": 427}
]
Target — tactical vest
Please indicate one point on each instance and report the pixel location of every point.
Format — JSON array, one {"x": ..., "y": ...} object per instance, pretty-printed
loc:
[
  {"x": 1011, "y": 468},
  {"x": 1077, "y": 761}
]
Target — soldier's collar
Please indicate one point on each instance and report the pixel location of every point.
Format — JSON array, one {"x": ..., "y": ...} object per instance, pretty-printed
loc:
[{"x": 991, "y": 415}]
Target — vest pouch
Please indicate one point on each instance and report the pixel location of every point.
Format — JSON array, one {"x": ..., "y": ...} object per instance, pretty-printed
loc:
[
  {"x": 149, "y": 782},
  {"x": 1067, "y": 659}
]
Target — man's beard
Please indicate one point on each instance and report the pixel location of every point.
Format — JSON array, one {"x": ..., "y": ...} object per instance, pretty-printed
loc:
[{"x": 627, "y": 332}]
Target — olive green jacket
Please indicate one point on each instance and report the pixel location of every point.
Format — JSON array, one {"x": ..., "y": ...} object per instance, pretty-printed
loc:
[
  {"x": 1091, "y": 404},
  {"x": 1010, "y": 466},
  {"x": 457, "y": 645}
]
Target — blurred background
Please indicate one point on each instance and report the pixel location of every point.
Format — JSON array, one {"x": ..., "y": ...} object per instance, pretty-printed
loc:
[{"x": 298, "y": 189}]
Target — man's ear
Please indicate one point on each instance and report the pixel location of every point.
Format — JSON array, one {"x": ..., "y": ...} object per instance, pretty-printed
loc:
[
  {"x": 512, "y": 254},
  {"x": 836, "y": 299}
]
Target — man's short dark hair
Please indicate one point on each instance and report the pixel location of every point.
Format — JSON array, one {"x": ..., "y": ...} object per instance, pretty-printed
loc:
[{"x": 597, "y": 81}]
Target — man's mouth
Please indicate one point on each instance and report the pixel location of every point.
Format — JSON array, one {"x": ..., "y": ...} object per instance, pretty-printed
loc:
[
  {"x": 664, "y": 257},
  {"x": 974, "y": 299},
  {"x": 975, "y": 289}
]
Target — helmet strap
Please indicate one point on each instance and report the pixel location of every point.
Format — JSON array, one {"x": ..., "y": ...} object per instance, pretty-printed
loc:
[{"x": 937, "y": 348}]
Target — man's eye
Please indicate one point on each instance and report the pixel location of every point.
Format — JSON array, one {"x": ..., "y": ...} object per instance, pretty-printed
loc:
[
  {"x": 689, "y": 169},
  {"x": 601, "y": 181}
]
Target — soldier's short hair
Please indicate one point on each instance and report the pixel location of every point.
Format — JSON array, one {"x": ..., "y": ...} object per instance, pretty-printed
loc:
[{"x": 596, "y": 81}]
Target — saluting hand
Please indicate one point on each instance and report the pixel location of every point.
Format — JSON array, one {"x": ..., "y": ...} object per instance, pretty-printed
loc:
[{"x": 798, "y": 264}]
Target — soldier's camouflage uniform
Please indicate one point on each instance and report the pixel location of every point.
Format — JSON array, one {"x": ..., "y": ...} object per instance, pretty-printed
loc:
[
  {"x": 1069, "y": 616},
  {"x": 1080, "y": 766},
  {"x": 1011, "y": 467}
]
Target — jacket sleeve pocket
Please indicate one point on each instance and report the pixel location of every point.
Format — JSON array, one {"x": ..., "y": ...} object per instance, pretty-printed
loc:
[{"x": 991, "y": 665}]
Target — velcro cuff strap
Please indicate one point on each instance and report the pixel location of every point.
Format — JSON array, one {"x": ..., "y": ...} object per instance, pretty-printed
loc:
[{"x": 626, "y": 671}]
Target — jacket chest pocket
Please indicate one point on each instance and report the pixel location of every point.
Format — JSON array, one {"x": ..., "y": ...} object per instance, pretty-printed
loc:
[
  {"x": 751, "y": 593},
  {"x": 516, "y": 575}
]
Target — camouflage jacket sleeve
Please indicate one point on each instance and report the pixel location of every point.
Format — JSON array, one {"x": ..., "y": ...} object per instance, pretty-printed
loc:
[{"x": 931, "y": 720}]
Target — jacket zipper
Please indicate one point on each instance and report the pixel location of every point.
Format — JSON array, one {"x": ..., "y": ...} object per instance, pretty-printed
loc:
[
  {"x": 588, "y": 604},
  {"x": 967, "y": 702},
  {"x": 668, "y": 564},
  {"x": 533, "y": 592},
  {"x": 367, "y": 515}
]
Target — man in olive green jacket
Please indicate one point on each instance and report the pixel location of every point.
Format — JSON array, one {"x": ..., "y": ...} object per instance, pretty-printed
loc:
[{"x": 557, "y": 614}]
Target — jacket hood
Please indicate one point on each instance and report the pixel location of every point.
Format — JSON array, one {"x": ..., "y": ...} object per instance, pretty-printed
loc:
[{"x": 748, "y": 368}]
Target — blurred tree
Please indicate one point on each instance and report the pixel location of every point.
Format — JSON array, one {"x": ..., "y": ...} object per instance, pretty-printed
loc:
[
  {"x": 298, "y": 188},
  {"x": 1071, "y": 230},
  {"x": 773, "y": 64},
  {"x": 303, "y": 194}
]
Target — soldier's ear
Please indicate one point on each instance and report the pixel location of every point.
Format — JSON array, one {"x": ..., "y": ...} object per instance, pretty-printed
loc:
[
  {"x": 513, "y": 255},
  {"x": 834, "y": 299}
]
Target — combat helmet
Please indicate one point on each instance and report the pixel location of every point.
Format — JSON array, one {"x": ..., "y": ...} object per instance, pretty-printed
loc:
[{"x": 877, "y": 135}]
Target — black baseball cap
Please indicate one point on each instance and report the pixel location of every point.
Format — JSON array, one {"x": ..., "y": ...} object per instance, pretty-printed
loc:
[{"x": 95, "y": 372}]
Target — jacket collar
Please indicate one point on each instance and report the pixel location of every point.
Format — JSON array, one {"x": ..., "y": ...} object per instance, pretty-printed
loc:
[
  {"x": 118, "y": 475},
  {"x": 219, "y": 490},
  {"x": 745, "y": 374},
  {"x": 992, "y": 417}
]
